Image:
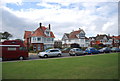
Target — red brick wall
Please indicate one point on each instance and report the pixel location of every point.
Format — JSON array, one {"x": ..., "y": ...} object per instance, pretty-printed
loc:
[{"x": 41, "y": 46}]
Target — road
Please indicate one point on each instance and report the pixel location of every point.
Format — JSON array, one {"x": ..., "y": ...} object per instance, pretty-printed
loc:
[{"x": 34, "y": 56}]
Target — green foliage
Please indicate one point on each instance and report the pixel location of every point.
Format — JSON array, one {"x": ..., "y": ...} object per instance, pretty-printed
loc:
[
  {"x": 5, "y": 35},
  {"x": 96, "y": 46},
  {"x": 83, "y": 48}
]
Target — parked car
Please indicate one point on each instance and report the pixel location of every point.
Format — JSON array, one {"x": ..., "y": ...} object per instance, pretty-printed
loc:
[
  {"x": 50, "y": 52},
  {"x": 115, "y": 49},
  {"x": 76, "y": 51},
  {"x": 66, "y": 50},
  {"x": 105, "y": 50},
  {"x": 91, "y": 50}
]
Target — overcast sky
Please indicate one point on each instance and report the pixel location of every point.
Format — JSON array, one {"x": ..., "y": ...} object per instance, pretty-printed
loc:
[{"x": 63, "y": 15}]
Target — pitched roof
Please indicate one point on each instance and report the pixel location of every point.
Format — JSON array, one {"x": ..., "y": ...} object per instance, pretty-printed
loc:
[
  {"x": 99, "y": 37},
  {"x": 67, "y": 35},
  {"x": 74, "y": 33},
  {"x": 116, "y": 37},
  {"x": 27, "y": 34},
  {"x": 39, "y": 32}
]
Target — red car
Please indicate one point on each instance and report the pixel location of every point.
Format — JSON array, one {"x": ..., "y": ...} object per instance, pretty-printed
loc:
[{"x": 13, "y": 49}]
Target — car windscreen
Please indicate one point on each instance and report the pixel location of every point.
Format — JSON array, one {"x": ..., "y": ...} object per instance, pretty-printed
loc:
[
  {"x": 47, "y": 50},
  {"x": 78, "y": 49}
]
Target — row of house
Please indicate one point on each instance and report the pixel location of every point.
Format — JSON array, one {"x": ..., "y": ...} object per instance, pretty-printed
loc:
[{"x": 43, "y": 38}]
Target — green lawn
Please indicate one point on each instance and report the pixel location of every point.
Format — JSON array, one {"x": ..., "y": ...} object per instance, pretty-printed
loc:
[{"x": 103, "y": 66}]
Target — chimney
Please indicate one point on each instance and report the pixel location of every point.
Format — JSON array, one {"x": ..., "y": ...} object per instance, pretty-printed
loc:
[
  {"x": 97, "y": 34},
  {"x": 109, "y": 35},
  {"x": 49, "y": 27},
  {"x": 40, "y": 24}
]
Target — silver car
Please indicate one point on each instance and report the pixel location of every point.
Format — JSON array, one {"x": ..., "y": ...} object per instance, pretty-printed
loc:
[
  {"x": 50, "y": 52},
  {"x": 76, "y": 51}
]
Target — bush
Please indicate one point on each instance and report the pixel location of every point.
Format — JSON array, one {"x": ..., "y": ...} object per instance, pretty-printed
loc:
[{"x": 83, "y": 48}]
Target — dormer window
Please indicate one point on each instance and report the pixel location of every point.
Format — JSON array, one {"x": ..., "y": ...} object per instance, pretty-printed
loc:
[{"x": 47, "y": 32}]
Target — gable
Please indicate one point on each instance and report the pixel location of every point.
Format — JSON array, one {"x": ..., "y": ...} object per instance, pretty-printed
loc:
[
  {"x": 40, "y": 32},
  {"x": 105, "y": 38},
  {"x": 64, "y": 37}
]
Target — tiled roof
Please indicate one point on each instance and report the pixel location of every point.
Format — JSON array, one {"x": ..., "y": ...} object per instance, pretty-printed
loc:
[
  {"x": 99, "y": 37},
  {"x": 73, "y": 34},
  {"x": 38, "y": 32},
  {"x": 117, "y": 37}
]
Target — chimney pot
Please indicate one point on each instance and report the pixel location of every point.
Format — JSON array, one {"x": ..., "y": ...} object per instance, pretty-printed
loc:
[{"x": 40, "y": 24}]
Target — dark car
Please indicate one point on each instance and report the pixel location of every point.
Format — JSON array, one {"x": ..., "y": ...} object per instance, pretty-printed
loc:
[
  {"x": 115, "y": 49},
  {"x": 91, "y": 50},
  {"x": 105, "y": 50}
]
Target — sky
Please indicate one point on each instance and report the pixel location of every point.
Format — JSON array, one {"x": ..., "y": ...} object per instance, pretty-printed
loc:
[{"x": 98, "y": 17}]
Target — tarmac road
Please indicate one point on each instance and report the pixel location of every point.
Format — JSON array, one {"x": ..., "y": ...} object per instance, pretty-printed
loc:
[{"x": 34, "y": 56}]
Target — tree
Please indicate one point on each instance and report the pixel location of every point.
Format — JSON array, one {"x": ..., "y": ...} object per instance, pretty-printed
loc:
[{"x": 5, "y": 35}]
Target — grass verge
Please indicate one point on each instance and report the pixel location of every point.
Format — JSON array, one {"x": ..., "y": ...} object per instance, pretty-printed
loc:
[{"x": 103, "y": 66}]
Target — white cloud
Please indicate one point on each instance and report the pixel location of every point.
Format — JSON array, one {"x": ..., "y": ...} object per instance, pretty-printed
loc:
[
  {"x": 107, "y": 25},
  {"x": 93, "y": 20}
]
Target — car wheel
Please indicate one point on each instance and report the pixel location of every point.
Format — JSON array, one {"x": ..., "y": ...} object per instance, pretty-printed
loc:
[
  {"x": 40, "y": 57},
  {"x": 77, "y": 54},
  {"x": 70, "y": 54},
  {"x": 59, "y": 55},
  {"x": 45, "y": 56},
  {"x": 21, "y": 58}
]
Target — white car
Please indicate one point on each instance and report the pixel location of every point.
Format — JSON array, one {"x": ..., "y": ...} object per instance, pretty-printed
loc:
[{"x": 50, "y": 52}]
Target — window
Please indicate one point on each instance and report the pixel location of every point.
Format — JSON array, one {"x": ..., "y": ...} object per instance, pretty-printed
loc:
[
  {"x": 34, "y": 47},
  {"x": 78, "y": 49},
  {"x": 34, "y": 38},
  {"x": 39, "y": 47},
  {"x": 52, "y": 39},
  {"x": 47, "y": 32},
  {"x": 54, "y": 50},
  {"x": 38, "y": 39},
  {"x": 81, "y": 35},
  {"x": 11, "y": 49},
  {"x": 22, "y": 48}
]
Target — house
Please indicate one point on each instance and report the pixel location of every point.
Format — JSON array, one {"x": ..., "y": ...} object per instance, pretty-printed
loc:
[
  {"x": 57, "y": 44},
  {"x": 101, "y": 39},
  {"x": 40, "y": 39},
  {"x": 75, "y": 37},
  {"x": 116, "y": 41}
]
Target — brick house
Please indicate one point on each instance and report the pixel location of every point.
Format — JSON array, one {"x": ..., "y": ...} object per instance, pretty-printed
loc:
[
  {"x": 116, "y": 41},
  {"x": 40, "y": 39},
  {"x": 111, "y": 41}
]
